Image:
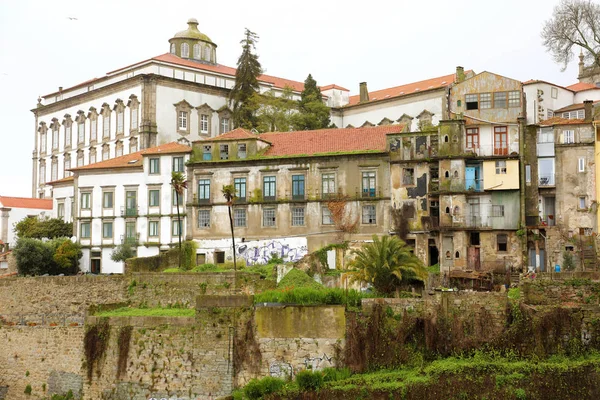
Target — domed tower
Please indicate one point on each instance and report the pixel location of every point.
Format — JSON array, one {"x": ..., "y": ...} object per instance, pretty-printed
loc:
[{"x": 193, "y": 44}]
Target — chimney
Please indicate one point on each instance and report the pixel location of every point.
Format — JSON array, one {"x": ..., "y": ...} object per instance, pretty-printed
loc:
[
  {"x": 364, "y": 93},
  {"x": 460, "y": 74},
  {"x": 587, "y": 106},
  {"x": 60, "y": 88}
]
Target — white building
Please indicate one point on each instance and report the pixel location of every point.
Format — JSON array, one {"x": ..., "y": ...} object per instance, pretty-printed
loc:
[
  {"x": 14, "y": 209},
  {"x": 128, "y": 197}
]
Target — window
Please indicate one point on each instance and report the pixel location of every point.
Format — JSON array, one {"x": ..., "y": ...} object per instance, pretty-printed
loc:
[
  {"x": 269, "y": 188},
  {"x": 182, "y": 120},
  {"x": 155, "y": 165},
  {"x": 369, "y": 214},
  {"x": 130, "y": 203},
  {"x": 328, "y": 183},
  {"x": 177, "y": 164},
  {"x": 196, "y": 51},
  {"x": 239, "y": 217},
  {"x": 472, "y": 102},
  {"x": 368, "y": 184},
  {"x": 582, "y": 204},
  {"x": 241, "y": 151},
  {"x": 68, "y": 135},
  {"x": 80, "y": 132},
  {"x": 240, "y": 188},
  {"x": 92, "y": 155},
  {"x": 581, "y": 164},
  {"x": 577, "y": 114},
  {"x": 549, "y": 113},
  {"x": 130, "y": 231},
  {"x": 55, "y": 139},
  {"x": 54, "y": 170},
  {"x": 528, "y": 174},
  {"x": 298, "y": 187},
  {"x": 67, "y": 166},
  {"x": 224, "y": 125},
  {"x": 207, "y": 53},
  {"x": 80, "y": 158},
  {"x": 176, "y": 227},
  {"x": 60, "y": 210},
  {"x": 224, "y": 151},
  {"x": 546, "y": 135},
  {"x": 408, "y": 176},
  {"x": 203, "y": 218},
  {"x": 268, "y": 217},
  {"x": 554, "y": 93},
  {"x": 93, "y": 129},
  {"x": 568, "y": 137},
  {"x": 107, "y": 230},
  {"x": 154, "y": 197},
  {"x": 134, "y": 118},
  {"x": 85, "y": 230},
  {"x": 326, "y": 216},
  {"x": 472, "y": 138},
  {"x": 500, "y": 141},
  {"x": 119, "y": 148},
  {"x": 105, "y": 152},
  {"x": 42, "y": 174},
  {"x": 120, "y": 123},
  {"x": 203, "y": 190},
  {"x": 297, "y": 216},
  {"x": 107, "y": 199},
  {"x": 106, "y": 126},
  {"x": 185, "y": 50},
  {"x": 173, "y": 51},
  {"x": 500, "y": 167},
  {"x": 85, "y": 201},
  {"x": 514, "y": 99},
  {"x": 502, "y": 242},
  {"x": 500, "y": 100},
  {"x": 203, "y": 123},
  {"x": 497, "y": 211},
  {"x": 153, "y": 228},
  {"x": 132, "y": 145},
  {"x": 206, "y": 153},
  {"x": 485, "y": 101},
  {"x": 177, "y": 198}
]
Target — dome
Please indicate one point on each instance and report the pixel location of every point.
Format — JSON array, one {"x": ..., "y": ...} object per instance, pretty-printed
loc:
[{"x": 192, "y": 32}]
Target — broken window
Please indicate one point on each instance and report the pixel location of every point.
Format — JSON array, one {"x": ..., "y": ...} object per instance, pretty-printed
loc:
[
  {"x": 502, "y": 242},
  {"x": 500, "y": 167},
  {"x": 408, "y": 176},
  {"x": 472, "y": 101},
  {"x": 475, "y": 238},
  {"x": 224, "y": 151},
  {"x": 206, "y": 153}
]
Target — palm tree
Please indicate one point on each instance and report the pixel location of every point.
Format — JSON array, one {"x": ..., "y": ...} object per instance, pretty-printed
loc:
[
  {"x": 179, "y": 184},
  {"x": 229, "y": 194},
  {"x": 387, "y": 263}
]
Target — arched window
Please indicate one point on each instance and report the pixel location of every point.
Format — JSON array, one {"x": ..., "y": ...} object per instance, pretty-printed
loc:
[
  {"x": 207, "y": 53},
  {"x": 446, "y": 139},
  {"x": 457, "y": 255},
  {"x": 456, "y": 174},
  {"x": 197, "y": 51},
  {"x": 173, "y": 48},
  {"x": 185, "y": 50},
  {"x": 447, "y": 174},
  {"x": 447, "y": 210}
]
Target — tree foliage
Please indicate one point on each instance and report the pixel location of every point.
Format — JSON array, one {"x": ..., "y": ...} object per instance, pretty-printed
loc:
[
  {"x": 312, "y": 112},
  {"x": 179, "y": 184},
  {"x": 246, "y": 84},
  {"x": 36, "y": 257},
  {"x": 124, "y": 251},
  {"x": 275, "y": 112},
  {"x": 387, "y": 263},
  {"x": 229, "y": 195},
  {"x": 574, "y": 23},
  {"x": 43, "y": 227}
]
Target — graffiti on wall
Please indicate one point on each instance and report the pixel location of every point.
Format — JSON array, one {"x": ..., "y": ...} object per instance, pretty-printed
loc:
[
  {"x": 281, "y": 369},
  {"x": 319, "y": 362},
  {"x": 260, "y": 253}
]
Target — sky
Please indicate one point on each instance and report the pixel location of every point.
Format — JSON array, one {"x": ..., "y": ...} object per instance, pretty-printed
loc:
[{"x": 47, "y": 44}]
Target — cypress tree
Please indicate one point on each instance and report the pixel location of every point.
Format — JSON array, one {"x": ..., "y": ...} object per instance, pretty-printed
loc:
[
  {"x": 246, "y": 84},
  {"x": 312, "y": 112}
]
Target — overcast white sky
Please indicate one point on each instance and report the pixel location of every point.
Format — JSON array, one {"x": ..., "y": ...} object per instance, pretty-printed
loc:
[{"x": 385, "y": 43}]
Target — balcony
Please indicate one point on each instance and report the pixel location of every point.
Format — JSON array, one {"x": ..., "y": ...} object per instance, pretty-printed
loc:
[
  {"x": 129, "y": 211},
  {"x": 546, "y": 180},
  {"x": 133, "y": 240},
  {"x": 366, "y": 193}
]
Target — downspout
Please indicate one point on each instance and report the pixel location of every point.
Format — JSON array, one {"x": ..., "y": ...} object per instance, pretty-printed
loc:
[{"x": 522, "y": 147}]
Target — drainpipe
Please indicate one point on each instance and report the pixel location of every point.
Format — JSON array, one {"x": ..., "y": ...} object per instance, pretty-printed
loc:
[{"x": 523, "y": 239}]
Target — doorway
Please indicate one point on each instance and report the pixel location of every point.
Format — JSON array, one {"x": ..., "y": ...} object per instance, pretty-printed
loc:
[
  {"x": 434, "y": 255},
  {"x": 95, "y": 264},
  {"x": 219, "y": 257}
]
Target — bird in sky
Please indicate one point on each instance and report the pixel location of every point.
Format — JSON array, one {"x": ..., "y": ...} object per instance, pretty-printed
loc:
[{"x": 72, "y": 18}]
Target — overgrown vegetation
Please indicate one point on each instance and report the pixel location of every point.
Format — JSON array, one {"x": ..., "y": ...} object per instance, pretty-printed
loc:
[
  {"x": 312, "y": 296},
  {"x": 53, "y": 257},
  {"x": 125, "y": 250},
  {"x": 123, "y": 344},
  {"x": 298, "y": 279},
  {"x": 95, "y": 345}
]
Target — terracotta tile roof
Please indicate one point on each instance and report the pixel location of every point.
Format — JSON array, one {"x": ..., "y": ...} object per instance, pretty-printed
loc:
[
  {"x": 334, "y": 86},
  {"x": 580, "y": 86},
  {"x": 236, "y": 134},
  {"x": 576, "y": 106},
  {"x": 409, "y": 88},
  {"x": 26, "y": 202},
  {"x": 532, "y": 81},
  {"x": 134, "y": 160},
  {"x": 328, "y": 140},
  {"x": 63, "y": 180},
  {"x": 562, "y": 121}
]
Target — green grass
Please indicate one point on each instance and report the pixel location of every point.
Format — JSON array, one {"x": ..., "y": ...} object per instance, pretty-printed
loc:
[
  {"x": 265, "y": 271},
  {"x": 311, "y": 296},
  {"x": 148, "y": 312},
  {"x": 514, "y": 293}
]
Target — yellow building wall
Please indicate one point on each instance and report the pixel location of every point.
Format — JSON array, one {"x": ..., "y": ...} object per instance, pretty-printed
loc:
[{"x": 493, "y": 181}]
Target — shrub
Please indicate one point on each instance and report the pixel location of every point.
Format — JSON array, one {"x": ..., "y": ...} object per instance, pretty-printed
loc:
[
  {"x": 309, "y": 380},
  {"x": 40, "y": 228},
  {"x": 35, "y": 257},
  {"x": 299, "y": 279},
  {"x": 310, "y": 296},
  {"x": 205, "y": 268},
  {"x": 568, "y": 262},
  {"x": 257, "y": 388},
  {"x": 124, "y": 251},
  {"x": 27, "y": 389},
  {"x": 335, "y": 374}
]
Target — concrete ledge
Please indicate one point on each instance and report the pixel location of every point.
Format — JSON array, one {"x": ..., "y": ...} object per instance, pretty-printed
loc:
[{"x": 236, "y": 300}]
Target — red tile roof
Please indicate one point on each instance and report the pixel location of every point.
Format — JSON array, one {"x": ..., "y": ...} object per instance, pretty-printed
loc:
[
  {"x": 236, "y": 134},
  {"x": 580, "y": 86},
  {"x": 532, "y": 81},
  {"x": 26, "y": 202},
  {"x": 329, "y": 140},
  {"x": 134, "y": 160},
  {"x": 563, "y": 121},
  {"x": 409, "y": 88},
  {"x": 333, "y": 86},
  {"x": 63, "y": 180}
]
